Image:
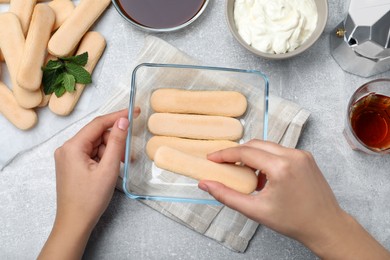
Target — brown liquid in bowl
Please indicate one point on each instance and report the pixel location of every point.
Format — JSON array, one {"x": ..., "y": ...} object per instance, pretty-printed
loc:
[{"x": 160, "y": 14}]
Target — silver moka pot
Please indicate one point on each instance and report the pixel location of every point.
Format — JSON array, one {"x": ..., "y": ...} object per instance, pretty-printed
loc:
[{"x": 361, "y": 43}]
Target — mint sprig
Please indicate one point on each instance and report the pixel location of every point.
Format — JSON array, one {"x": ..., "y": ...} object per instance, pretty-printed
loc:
[{"x": 61, "y": 75}]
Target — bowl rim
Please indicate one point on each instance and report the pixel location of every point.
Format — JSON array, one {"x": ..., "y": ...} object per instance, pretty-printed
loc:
[
  {"x": 306, "y": 45},
  {"x": 168, "y": 29}
]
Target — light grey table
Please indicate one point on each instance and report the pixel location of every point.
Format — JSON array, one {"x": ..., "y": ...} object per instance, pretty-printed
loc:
[{"x": 131, "y": 230}]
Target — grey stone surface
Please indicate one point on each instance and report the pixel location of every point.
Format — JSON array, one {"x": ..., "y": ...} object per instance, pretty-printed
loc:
[{"x": 131, "y": 230}]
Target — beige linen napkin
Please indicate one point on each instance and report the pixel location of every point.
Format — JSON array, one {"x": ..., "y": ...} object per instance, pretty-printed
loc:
[{"x": 226, "y": 226}]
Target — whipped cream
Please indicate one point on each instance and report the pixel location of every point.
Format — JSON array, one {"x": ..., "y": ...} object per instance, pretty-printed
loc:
[{"x": 275, "y": 26}]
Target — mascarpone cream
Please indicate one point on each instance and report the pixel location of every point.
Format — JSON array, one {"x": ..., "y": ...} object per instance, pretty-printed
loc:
[{"x": 275, "y": 26}]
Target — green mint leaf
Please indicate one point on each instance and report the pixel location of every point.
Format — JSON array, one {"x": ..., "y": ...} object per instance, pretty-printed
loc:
[
  {"x": 80, "y": 74},
  {"x": 60, "y": 91},
  {"x": 53, "y": 65},
  {"x": 61, "y": 75},
  {"x": 48, "y": 80},
  {"x": 59, "y": 79},
  {"x": 78, "y": 59},
  {"x": 69, "y": 82}
]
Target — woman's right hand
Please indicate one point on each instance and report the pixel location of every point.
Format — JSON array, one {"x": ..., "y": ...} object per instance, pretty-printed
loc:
[{"x": 296, "y": 201}]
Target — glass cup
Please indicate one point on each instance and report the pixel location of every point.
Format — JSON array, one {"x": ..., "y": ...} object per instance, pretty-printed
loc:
[{"x": 368, "y": 118}]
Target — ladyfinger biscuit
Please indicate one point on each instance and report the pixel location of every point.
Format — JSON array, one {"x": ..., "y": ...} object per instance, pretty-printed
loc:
[
  {"x": 219, "y": 103},
  {"x": 25, "y": 98},
  {"x": 12, "y": 43},
  {"x": 94, "y": 44},
  {"x": 240, "y": 178},
  {"x": 66, "y": 38},
  {"x": 22, "y": 118},
  {"x": 45, "y": 99},
  {"x": 7, "y": 1},
  {"x": 23, "y": 9},
  {"x": 30, "y": 73},
  {"x": 62, "y": 10},
  {"x": 195, "y": 126},
  {"x": 199, "y": 148}
]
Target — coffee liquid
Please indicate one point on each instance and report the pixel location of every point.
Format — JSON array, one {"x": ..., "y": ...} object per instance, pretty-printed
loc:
[
  {"x": 370, "y": 120},
  {"x": 158, "y": 14}
]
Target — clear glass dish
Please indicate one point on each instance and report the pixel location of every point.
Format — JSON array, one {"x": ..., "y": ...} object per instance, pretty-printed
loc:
[{"x": 142, "y": 179}]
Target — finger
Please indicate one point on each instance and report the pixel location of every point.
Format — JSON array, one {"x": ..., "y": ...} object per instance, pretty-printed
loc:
[
  {"x": 229, "y": 197},
  {"x": 136, "y": 112},
  {"x": 115, "y": 146},
  {"x": 133, "y": 158},
  {"x": 94, "y": 152},
  {"x": 106, "y": 134},
  {"x": 94, "y": 130},
  {"x": 105, "y": 137},
  {"x": 252, "y": 157},
  {"x": 267, "y": 146},
  {"x": 101, "y": 150},
  {"x": 97, "y": 142}
]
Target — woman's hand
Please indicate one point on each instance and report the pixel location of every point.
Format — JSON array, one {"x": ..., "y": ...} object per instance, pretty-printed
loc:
[
  {"x": 87, "y": 168},
  {"x": 296, "y": 201}
]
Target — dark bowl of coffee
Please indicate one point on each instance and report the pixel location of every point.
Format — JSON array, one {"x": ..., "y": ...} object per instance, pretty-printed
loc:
[{"x": 160, "y": 15}]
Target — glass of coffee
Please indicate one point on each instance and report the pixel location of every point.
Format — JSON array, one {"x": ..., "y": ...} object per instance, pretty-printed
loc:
[{"x": 368, "y": 118}]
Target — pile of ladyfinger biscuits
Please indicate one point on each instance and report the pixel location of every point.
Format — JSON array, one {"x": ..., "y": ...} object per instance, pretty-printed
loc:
[
  {"x": 189, "y": 124},
  {"x": 33, "y": 32}
]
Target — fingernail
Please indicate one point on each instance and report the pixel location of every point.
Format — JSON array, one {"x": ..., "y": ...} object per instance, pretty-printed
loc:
[
  {"x": 203, "y": 187},
  {"x": 123, "y": 123}
]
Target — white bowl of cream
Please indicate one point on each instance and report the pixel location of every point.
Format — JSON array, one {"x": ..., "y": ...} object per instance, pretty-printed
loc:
[{"x": 277, "y": 29}]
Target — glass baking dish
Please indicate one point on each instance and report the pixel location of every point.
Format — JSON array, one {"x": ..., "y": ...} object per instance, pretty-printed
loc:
[{"x": 142, "y": 179}]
